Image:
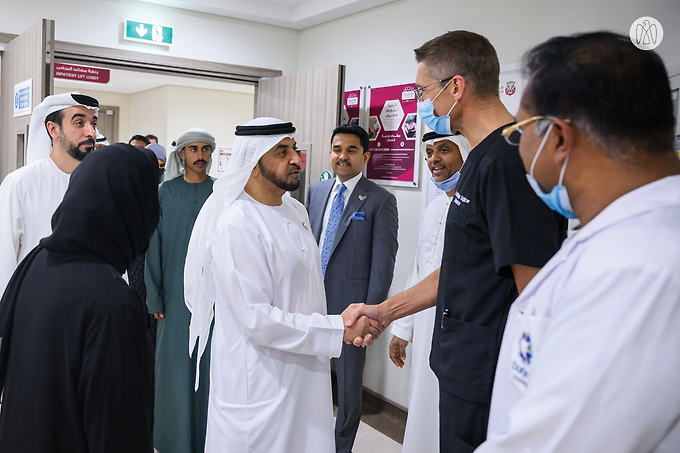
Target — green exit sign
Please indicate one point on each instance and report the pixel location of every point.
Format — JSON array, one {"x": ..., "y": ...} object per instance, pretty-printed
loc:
[{"x": 148, "y": 32}]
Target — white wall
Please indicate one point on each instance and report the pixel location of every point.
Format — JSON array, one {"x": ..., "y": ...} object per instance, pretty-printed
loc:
[
  {"x": 377, "y": 48},
  {"x": 216, "y": 111},
  {"x": 110, "y": 99},
  {"x": 196, "y": 35},
  {"x": 170, "y": 110},
  {"x": 149, "y": 115}
]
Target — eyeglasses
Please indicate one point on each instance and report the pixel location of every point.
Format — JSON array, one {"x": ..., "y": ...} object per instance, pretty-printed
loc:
[
  {"x": 420, "y": 92},
  {"x": 513, "y": 134}
]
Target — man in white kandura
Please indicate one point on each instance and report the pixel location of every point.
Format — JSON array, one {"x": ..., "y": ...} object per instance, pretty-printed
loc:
[
  {"x": 62, "y": 133},
  {"x": 252, "y": 253},
  {"x": 445, "y": 156}
]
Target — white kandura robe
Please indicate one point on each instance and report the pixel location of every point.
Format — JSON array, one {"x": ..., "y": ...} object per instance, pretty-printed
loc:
[
  {"x": 28, "y": 198},
  {"x": 270, "y": 385},
  {"x": 422, "y": 424}
]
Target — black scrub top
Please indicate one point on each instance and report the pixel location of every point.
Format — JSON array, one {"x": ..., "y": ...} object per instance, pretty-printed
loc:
[{"x": 495, "y": 220}]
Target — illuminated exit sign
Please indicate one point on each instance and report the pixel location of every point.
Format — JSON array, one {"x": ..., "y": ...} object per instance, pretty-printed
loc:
[{"x": 148, "y": 32}]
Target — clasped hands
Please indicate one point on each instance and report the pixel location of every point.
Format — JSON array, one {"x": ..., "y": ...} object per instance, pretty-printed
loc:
[{"x": 363, "y": 324}]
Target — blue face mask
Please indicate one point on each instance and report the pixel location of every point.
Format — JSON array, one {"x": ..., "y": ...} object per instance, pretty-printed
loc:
[
  {"x": 449, "y": 184},
  {"x": 557, "y": 199},
  {"x": 439, "y": 124}
]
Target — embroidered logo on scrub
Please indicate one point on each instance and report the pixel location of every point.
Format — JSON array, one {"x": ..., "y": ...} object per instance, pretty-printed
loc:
[{"x": 458, "y": 199}]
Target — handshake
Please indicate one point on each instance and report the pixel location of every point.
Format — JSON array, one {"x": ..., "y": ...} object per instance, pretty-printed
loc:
[{"x": 363, "y": 324}]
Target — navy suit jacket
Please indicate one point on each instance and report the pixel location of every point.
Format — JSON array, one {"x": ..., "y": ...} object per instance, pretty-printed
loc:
[{"x": 361, "y": 265}]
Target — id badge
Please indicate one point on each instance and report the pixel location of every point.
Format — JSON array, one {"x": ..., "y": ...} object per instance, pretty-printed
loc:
[{"x": 525, "y": 345}]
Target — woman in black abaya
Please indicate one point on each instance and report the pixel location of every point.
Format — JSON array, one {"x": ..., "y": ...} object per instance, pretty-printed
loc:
[{"x": 76, "y": 365}]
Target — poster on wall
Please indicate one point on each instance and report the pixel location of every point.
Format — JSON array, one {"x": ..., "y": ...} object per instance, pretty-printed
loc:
[
  {"x": 351, "y": 108},
  {"x": 393, "y": 131},
  {"x": 511, "y": 86},
  {"x": 223, "y": 155}
]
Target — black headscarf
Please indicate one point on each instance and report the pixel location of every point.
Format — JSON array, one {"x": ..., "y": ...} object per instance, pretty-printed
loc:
[
  {"x": 110, "y": 209},
  {"x": 109, "y": 212}
]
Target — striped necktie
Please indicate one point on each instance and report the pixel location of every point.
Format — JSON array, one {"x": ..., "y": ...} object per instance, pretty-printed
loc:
[{"x": 331, "y": 227}]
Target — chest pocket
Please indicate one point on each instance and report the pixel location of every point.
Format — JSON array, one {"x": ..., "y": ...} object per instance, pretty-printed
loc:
[{"x": 456, "y": 248}]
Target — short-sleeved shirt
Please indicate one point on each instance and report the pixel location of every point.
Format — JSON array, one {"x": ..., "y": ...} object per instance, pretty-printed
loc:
[{"x": 495, "y": 221}]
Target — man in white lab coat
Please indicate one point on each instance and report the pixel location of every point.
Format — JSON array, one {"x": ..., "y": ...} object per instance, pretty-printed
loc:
[
  {"x": 445, "y": 156},
  {"x": 589, "y": 360},
  {"x": 253, "y": 253},
  {"x": 62, "y": 133}
]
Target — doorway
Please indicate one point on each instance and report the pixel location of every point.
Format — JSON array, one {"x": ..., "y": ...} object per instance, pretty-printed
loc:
[{"x": 107, "y": 123}]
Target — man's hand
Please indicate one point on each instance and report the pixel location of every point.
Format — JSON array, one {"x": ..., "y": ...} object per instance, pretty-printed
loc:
[
  {"x": 376, "y": 319},
  {"x": 158, "y": 315},
  {"x": 398, "y": 351},
  {"x": 361, "y": 331}
]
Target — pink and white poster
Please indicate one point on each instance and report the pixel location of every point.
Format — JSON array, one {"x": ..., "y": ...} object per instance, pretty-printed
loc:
[
  {"x": 352, "y": 107},
  {"x": 393, "y": 131}
]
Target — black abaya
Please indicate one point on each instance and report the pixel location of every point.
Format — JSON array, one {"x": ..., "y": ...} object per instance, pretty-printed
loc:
[{"x": 76, "y": 364}]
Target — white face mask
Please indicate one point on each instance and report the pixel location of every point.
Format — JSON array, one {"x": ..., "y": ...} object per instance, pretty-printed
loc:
[{"x": 439, "y": 124}]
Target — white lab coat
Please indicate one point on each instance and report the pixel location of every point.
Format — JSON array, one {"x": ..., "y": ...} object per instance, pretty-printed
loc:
[
  {"x": 422, "y": 424},
  {"x": 589, "y": 360},
  {"x": 28, "y": 198},
  {"x": 270, "y": 385}
]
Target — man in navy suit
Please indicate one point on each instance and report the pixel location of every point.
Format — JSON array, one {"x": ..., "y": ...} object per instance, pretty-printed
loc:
[{"x": 355, "y": 223}]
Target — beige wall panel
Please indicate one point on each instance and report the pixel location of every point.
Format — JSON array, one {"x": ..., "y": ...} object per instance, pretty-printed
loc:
[
  {"x": 312, "y": 101},
  {"x": 23, "y": 58}
]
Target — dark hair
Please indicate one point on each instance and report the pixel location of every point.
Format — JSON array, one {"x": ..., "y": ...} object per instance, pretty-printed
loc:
[
  {"x": 463, "y": 53},
  {"x": 354, "y": 130},
  {"x": 617, "y": 94},
  {"x": 54, "y": 117},
  {"x": 152, "y": 137},
  {"x": 141, "y": 138}
]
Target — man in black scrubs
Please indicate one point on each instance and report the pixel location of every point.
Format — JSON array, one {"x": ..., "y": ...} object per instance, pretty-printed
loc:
[{"x": 498, "y": 234}]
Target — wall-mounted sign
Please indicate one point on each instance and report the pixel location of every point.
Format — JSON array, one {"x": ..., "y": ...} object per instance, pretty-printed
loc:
[
  {"x": 81, "y": 73},
  {"x": 352, "y": 107},
  {"x": 393, "y": 131},
  {"x": 23, "y": 97},
  {"x": 223, "y": 156},
  {"x": 511, "y": 86},
  {"x": 148, "y": 32}
]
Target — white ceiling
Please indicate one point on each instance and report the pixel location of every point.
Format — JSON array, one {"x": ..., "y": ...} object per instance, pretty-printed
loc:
[
  {"x": 129, "y": 82},
  {"x": 296, "y": 14}
]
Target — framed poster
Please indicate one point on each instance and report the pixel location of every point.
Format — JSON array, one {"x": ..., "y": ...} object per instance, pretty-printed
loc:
[
  {"x": 223, "y": 155},
  {"x": 351, "y": 110},
  {"x": 393, "y": 132}
]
